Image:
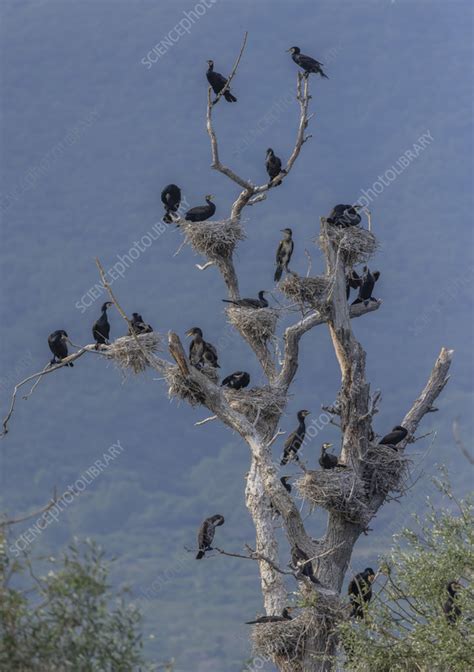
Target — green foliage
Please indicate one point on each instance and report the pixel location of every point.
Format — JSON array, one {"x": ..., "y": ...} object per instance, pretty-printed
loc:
[{"x": 405, "y": 629}]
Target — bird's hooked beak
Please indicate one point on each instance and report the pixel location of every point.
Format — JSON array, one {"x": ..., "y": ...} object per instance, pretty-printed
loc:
[
  {"x": 288, "y": 50},
  {"x": 307, "y": 413},
  {"x": 189, "y": 333}
]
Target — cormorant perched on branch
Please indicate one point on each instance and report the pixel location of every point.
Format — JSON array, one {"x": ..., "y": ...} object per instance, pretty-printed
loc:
[
  {"x": 308, "y": 64},
  {"x": 360, "y": 591},
  {"x": 237, "y": 380},
  {"x": 171, "y": 198},
  {"x": 206, "y": 534},
  {"x": 450, "y": 608},
  {"x": 101, "y": 328},
  {"x": 57, "y": 342},
  {"x": 302, "y": 562},
  {"x": 200, "y": 351},
  {"x": 285, "y": 616},
  {"x": 261, "y": 302},
  {"x": 139, "y": 326},
  {"x": 217, "y": 81},
  {"x": 353, "y": 281},
  {"x": 273, "y": 166},
  {"x": 345, "y": 215},
  {"x": 201, "y": 212},
  {"x": 296, "y": 438},
  {"x": 366, "y": 286},
  {"x": 397, "y": 434},
  {"x": 328, "y": 461},
  {"x": 284, "y": 252}
]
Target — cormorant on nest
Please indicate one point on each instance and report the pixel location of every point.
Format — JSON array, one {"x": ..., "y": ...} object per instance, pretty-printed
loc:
[
  {"x": 345, "y": 215},
  {"x": 57, "y": 342},
  {"x": 218, "y": 81},
  {"x": 284, "y": 252},
  {"x": 237, "y": 380},
  {"x": 101, "y": 328},
  {"x": 206, "y": 534},
  {"x": 273, "y": 166},
  {"x": 285, "y": 616},
  {"x": 450, "y": 608},
  {"x": 261, "y": 302},
  {"x": 308, "y": 64},
  {"x": 391, "y": 439},
  {"x": 295, "y": 440},
  {"x": 366, "y": 286},
  {"x": 302, "y": 562},
  {"x": 328, "y": 461},
  {"x": 200, "y": 351},
  {"x": 201, "y": 212},
  {"x": 139, "y": 326},
  {"x": 171, "y": 198},
  {"x": 360, "y": 591}
]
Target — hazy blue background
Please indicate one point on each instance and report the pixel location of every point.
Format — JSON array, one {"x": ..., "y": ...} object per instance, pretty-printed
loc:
[{"x": 397, "y": 69}]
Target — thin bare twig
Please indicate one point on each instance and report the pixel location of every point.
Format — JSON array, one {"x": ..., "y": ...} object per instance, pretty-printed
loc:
[{"x": 234, "y": 70}]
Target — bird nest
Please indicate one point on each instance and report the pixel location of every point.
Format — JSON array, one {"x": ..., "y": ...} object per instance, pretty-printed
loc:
[
  {"x": 256, "y": 324},
  {"x": 339, "y": 489},
  {"x": 132, "y": 353},
  {"x": 214, "y": 240},
  {"x": 356, "y": 245},
  {"x": 385, "y": 470},
  {"x": 308, "y": 291},
  {"x": 259, "y": 402},
  {"x": 184, "y": 387}
]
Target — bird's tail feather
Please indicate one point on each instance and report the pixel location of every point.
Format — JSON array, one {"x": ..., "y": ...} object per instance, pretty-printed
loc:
[
  {"x": 200, "y": 555},
  {"x": 323, "y": 75},
  {"x": 278, "y": 272},
  {"x": 229, "y": 97}
]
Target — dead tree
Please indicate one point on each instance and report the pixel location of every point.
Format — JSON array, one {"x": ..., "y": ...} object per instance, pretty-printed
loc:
[{"x": 351, "y": 496}]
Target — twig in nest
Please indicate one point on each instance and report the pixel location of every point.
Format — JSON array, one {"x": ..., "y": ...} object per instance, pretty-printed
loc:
[{"x": 203, "y": 422}]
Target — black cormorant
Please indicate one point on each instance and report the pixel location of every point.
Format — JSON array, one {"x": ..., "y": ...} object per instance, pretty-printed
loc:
[
  {"x": 284, "y": 252},
  {"x": 397, "y": 434},
  {"x": 171, "y": 198},
  {"x": 261, "y": 302},
  {"x": 218, "y": 81},
  {"x": 57, "y": 342},
  {"x": 237, "y": 380},
  {"x": 345, "y": 215},
  {"x": 450, "y": 608},
  {"x": 200, "y": 351},
  {"x": 139, "y": 326},
  {"x": 101, "y": 328},
  {"x": 285, "y": 616},
  {"x": 352, "y": 282},
  {"x": 302, "y": 562},
  {"x": 206, "y": 534},
  {"x": 201, "y": 212},
  {"x": 366, "y": 286},
  {"x": 308, "y": 64},
  {"x": 360, "y": 591},
  {"x": 328, "y": 461},
  {"x": 296, "y": 438},
  {"x": 273, "y": 166}
]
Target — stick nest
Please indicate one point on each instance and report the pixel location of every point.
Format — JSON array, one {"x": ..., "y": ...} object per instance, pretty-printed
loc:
[
  {"x": 339, "y": 489},
  {"x": 259, "y": 402},
  {"x": 356, "y": 245},
  {"x": 385, "y": 470},
  {"x": 129, "y": 355},
  {"x": 307, "y": 291},
  {"x": 256, "y": 324},
  {"x": 183, "y": 387},
  {"x": 214, "y": 240}
]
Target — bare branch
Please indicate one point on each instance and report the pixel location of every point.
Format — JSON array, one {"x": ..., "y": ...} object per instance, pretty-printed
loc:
[
  {"x": 38, "y": 512},
  {"x": 234, "y": 70},
  {"x": 203, "y": 422}
]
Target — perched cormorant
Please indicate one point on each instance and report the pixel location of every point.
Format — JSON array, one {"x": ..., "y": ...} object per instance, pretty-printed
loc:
[
  {"x": 360, "y": 591},
  {"x": 57, "y": 342},
  {"x": 201, "y": 212},
  {"x": 366, "y": 286},
  {"x": 328, "y": 461},
  {"x": 285, "y": 484},
  {"x": 308, "y": 64},
  {"x": 295, "y": 440},
  {"x": 261, "y": 302},
  {"x": 218, "y": 81},
  {"x": 200, "y": 351},
  {"x": 139, "y": 326},
  {"x": 450, "y": 608},
  {"x": 302, "y": 562},
  {"x": 206, "y": 534},
  {"x": 273, "y": 166},
  {"x": 397, "y": 434},
  {"x": 101, "y": 328},
  {"x": 285, "y": 616},
  {"x": 353, "y": 281},
  {"x": 344, "y": 215},
  {"x": 284, "y": 252},
  {"x": 171, "y": 198},
  {"x": 237, "y": 380}
]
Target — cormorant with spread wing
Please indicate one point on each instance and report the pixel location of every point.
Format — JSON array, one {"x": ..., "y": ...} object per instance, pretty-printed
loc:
[
  {"x": 206, "y": 534},
  {"x": 201, "y": 212},
  {"x": 302, "y": 562},
  {"x": 200, "y": 351},
  {"x": 328, "y": 461},
  {"x": 261, "y": 302},
  {"x": 101, "y": 328},
  {"x": 285, "y": 616},
  {"x": 217, "y": 81},
  {"x": 366, "y": 286},
  {"x": 237, "y": 380},
  {"x": 284, "y": 252},
  {"x": 139, "y": 326},
  {"x": 273, "y": 166},
  {"x": 360, "y": 591},
  {"x": 308, "y": 64},
  {"x": 57, "y": 342},
  {"x": 171, "y": 198},
  {"x": 345, "y": 215},
  {"x": 450, "y": 608},
  {"x": 397, "y": 434},
  {"x": 295, "y": 440}
]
